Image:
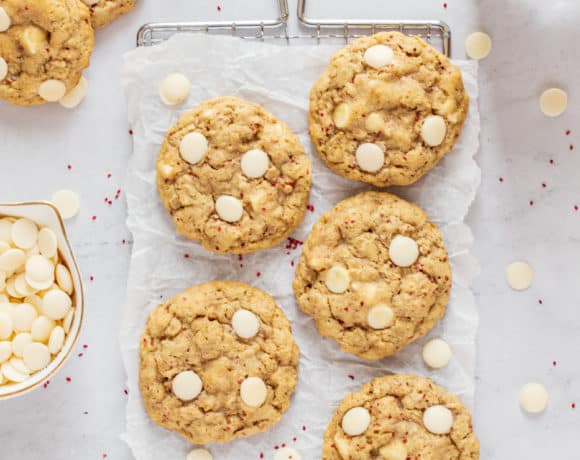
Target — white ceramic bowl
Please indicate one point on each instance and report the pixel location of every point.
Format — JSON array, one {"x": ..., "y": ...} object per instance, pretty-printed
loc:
[{"x": 46, "y": 215}]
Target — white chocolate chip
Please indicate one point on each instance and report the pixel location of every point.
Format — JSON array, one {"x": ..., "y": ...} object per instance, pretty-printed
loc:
[
  {"x": 341, "y": 115},
  {"x": 187, "y": 385},
  {"x": 5, "y": 326},
  {"x": 174, "y": 89},
  {"x": 52, "y": 90},
  {"x": 533, "y": 398},
  {"x": 438, "y": 419},
  {"x": 41, "y": 328},
  {"x": 253, "y": 391},
  {"x": 34, "y": 300},
  {"x": 91, "y": 2},
  {"x": 76, "y": 95},
  {"x": 64, "y": 279},
  {"x": 403, "y": 251},
  {"x": 245, "y": 323},
  {"x": 3, "y": 69},
  {"x": 22, "y": 317},
  {"x": 12, "y": 260},
  {"x": 34, "y": 39},
  {"x": 22, "y": 287},
  {"x": 19, "y": 342},
  {"x": 56, "y": 340},
  {"x": 370, "y": 157},
  {"x": 193, "y": 147},
  {"x": 380, "y": 317},
  {"x": 374, "y": 122},
  {"x": 553, "y": 102},
  {"x": 287, "y": 453},
  {"x": 395, "y": 450},
  {"x": 39, "y": 269},
  {"x": 165, "y": 170},
  {"x": 199, "y": 454},
  {"x": 478, "y": 45},
  {"x": 11, "y": 374},
  {"x": 434, "y": 130},
  {"x": 47, "y": 242},
  {"x": 6, "y": 230},
  {"x": 67, "y": 203},
  {"x": 5, "y": 351},
  {"x": 229, "y": 208},
  {"x": 337, "y": 279},
  {"x": 36, "y": 356},
  {"x": 20, "y": 366},
  {"x": 56, "y": 304},
  {"x": 68, "y": 319},
  {"x": 24, "y": 233},
  {"x": 379, "y": 56},
  {"x": 356, "y": 421},
  {"x": 5, "y": 21},
  {"x": 255, "y": 163},
  {"x": 436, "y": 353},
  {"x": 519, "y": 275}
]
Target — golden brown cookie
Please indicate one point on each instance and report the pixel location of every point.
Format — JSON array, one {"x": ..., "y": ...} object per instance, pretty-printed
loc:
[
  {"x": 103, "y": 12},
  {"x": 387, "y": 109},
  {"x": 44, "y": 47},
  {"x": 233, "y": 177},
  {"x": 401, "y": 417},
  {"x": 374, "y": 274},
  {"x": 218, "y": 362}
]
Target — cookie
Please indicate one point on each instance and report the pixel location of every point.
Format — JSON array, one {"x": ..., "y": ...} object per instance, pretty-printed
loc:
[
  {"x": 387, "y": 109},
  {"x": 374, "y": 274},
  {"x": 218, "y": 362},
  {"x": 44, "y": 47},
  {"x": 233, "y": 177},
  {"x": 103, "y": 12},
  {"x": 401, "y": 417}
]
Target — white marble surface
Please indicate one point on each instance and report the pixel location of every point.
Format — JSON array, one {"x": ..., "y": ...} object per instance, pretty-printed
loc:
[{"x": 534, "y": 46}]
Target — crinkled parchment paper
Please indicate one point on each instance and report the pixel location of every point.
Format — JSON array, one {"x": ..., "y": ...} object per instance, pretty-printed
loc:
[{"x": 279, "y": 77}]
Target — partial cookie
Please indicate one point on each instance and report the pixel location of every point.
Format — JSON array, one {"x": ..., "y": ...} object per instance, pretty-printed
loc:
[
  {"x": 218, "y": 362},
  {"x": 387, "y": 109},
  {"x": 374, "y": 274},
  {"x": 45, "y": 44},
  {"x": 401, "y": 417},
  {"x": 103, "y": 12},
  {"x": 233, "y": 177}
]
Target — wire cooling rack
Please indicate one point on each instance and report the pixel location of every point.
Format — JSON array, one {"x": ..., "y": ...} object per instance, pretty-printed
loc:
[{"x": 435, "y": 32}]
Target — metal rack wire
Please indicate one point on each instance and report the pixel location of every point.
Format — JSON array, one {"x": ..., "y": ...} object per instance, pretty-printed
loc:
[{"x": 433, "y": 31}]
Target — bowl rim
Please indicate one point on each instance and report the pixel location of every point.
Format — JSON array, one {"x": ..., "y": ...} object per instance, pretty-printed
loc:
[{"x": 80, "y": 304}]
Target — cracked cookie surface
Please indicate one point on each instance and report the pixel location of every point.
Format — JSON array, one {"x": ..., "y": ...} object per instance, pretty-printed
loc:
[
  {"x": 46, "y": 40},
  {"x": 193, "y": 332},
  {"x": 273, "y": 204},
  {"x": 104, "y": 12},
  {"x": 353, "y": 103},
  {"x": 355, "y": 237},
  {"x": 396, "y": 431}
]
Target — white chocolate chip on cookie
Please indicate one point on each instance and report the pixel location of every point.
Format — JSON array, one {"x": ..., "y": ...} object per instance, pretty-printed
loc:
[
  {"x": 229, "y": 208},
  {"x": 76, "y": 95},
  {"x": 356, "y": 421},
  {"x": 174, "y": 89},
  {"x": 533, "y": 398},
  {"x": 90, "y": 2},
  {"x": 34, "y": 39},
  {"x": 3, "y": 69},
  {"x": 5, "y": 21},
  {"x": 370, "y": 157},
  {"x": 519, "y": 276},
  {"x": 246, "y": 324},
  {"x": 395, "y": 450},
  {"x": 193, "y": 147},
  {"x": 253, "y": 391},
  {"x": 403, "y": 251},
  {"x": 438, "y": 419},
  {"x": 341, "y": 115},
  {"x": 52, "y": 90},
  {"x": 379, "y": 56},
  {"x": 186, "y": 385},
  {"x": 255, "y": 163},
  {"x": 380, "y": 317},
  {"x": 436, "y": 353},
  {"x": 553, "y": 102},
  {"x": 374, "y": 122},
  {"x": 434, "y": 130},
  {"x": 337, "y": 279}
]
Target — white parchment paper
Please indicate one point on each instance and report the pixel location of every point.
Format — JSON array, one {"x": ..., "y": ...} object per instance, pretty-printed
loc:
[{"x": 279, "y": 77}]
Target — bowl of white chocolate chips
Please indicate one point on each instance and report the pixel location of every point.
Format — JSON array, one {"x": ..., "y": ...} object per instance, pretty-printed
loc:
[{"x": 41, "y": 296}]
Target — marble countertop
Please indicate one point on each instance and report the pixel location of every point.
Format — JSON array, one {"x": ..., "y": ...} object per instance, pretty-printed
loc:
[{"x": 529, "y": 214}]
